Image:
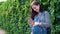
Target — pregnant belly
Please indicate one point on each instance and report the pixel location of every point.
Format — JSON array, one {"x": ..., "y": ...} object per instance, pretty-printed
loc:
[{"x": 36, "y": 28}]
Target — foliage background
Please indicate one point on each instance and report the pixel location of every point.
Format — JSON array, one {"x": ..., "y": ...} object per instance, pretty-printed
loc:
[{"x": 13, "y": 15}]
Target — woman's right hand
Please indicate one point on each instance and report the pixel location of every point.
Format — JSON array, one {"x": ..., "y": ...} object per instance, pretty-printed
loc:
[{"x": 31, "y": 22}]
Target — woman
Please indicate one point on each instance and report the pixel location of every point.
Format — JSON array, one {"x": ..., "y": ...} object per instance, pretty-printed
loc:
[{"x": 40, "y": 20}]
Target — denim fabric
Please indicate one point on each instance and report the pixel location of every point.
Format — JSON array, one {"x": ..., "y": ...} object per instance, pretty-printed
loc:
[{"x": 43, "y": 18}]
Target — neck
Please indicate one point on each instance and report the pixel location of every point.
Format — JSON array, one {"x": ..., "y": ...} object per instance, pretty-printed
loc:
[{"x": 39, "y": 13}]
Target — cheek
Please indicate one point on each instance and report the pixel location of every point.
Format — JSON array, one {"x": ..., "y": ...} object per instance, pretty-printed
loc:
[{"x": 38, "y": 8}]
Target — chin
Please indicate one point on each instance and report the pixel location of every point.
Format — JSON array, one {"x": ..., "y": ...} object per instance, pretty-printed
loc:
[{"x": 37, "y": 11}]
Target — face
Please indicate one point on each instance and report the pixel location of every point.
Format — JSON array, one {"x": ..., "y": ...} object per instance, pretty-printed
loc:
[{"x": 36, "y": 8}]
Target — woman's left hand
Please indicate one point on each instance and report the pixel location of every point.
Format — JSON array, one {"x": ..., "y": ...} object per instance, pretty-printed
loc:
[{"x": 36, "y": 24}]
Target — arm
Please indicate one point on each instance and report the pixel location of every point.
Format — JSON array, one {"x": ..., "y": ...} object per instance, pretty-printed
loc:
[
  {"x": 47, "y": 20},
  {"x": 32, "y": 23}
]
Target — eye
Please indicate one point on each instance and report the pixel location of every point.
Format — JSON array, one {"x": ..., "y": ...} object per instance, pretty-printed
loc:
[{"x": 34, "y": 7}]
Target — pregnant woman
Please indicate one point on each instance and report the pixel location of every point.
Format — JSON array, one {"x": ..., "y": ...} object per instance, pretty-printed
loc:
[{"x": 40, "y": 19}]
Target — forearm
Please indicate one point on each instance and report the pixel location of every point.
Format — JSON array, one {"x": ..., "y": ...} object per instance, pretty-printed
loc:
[{"x": 44, "y": 24}]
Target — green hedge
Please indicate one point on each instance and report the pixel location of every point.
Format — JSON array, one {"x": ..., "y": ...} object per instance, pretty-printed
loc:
[{"x": 13, "y": 15}]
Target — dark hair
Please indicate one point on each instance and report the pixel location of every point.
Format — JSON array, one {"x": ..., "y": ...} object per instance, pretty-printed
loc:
[{"x": 33, "y": 13}]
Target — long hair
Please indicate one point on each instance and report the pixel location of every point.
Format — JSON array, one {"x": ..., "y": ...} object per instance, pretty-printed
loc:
[{"x": 33, "y": 13}]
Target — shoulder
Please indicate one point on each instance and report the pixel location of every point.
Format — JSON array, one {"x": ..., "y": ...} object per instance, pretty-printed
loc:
[{"x": 46, "y": 12}]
